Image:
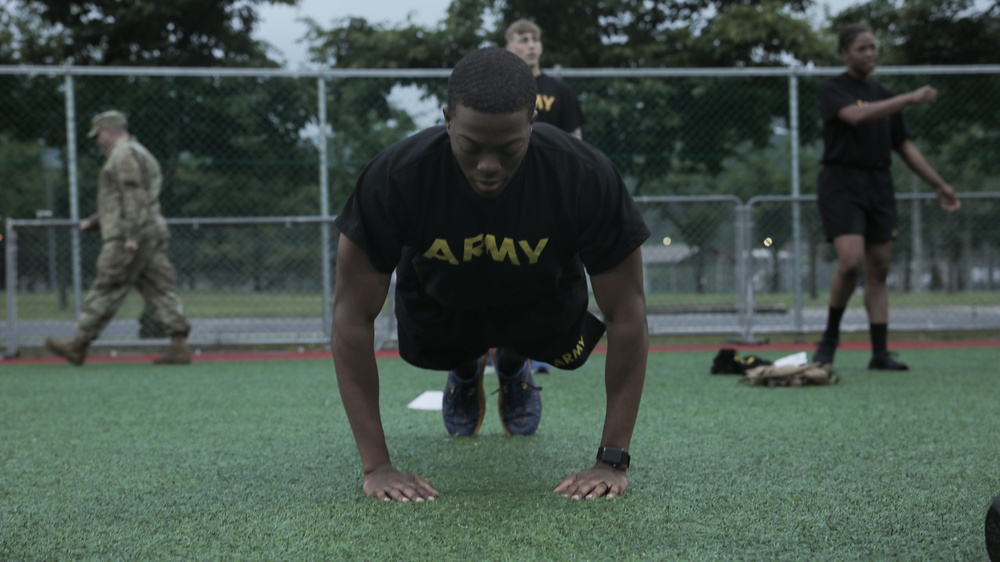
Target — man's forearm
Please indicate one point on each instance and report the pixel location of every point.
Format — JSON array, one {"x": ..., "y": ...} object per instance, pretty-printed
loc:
[
  {"x": 357, "y": 378},
  {"x": 625, "y": 375}
]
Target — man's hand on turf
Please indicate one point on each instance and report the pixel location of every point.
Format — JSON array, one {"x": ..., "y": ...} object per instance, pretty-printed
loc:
[
  {"x": 389, "y": 484},
  {"x": 596, "y": 482}
]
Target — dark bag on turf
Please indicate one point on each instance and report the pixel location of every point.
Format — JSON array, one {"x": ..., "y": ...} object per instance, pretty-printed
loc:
[{"x": 729, "y": 362}]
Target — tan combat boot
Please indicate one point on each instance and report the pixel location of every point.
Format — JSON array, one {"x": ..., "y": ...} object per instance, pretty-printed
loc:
[
  {"x": 177, "y": 354},
  {"x": 74, "y": 351}
]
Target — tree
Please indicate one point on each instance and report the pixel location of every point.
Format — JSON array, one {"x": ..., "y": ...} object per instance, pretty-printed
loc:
[
  {"x": 25, "y": 38},
  {"x": 930, "y": 31},
  {"x": 650, "y": 127},
  {"x": 228, "y": 146},
  {"x": 178, "y": 33},
  {"x": 666, "y": 136},
  {"x": 665, "y": 33},
  {"x": 230, "y": 123},
  {"x": 24, "y": 183},
  {"x": 373, "y": 122}
]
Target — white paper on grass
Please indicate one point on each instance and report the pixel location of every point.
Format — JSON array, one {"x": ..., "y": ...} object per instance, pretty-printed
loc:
[
  {"x": 793, "y": 360},
  {"x": 429, "y": 400}
]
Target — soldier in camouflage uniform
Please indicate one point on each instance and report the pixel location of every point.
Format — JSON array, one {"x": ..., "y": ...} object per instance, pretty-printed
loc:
[{"x": 134, "y": 251}]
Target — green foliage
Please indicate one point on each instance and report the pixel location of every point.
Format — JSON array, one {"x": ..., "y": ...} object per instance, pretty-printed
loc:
[
  {"x": 655, "y": 128},
  {"x": 238, "y": 147},
  {"x": 930, "y": 31},
  {"x": 227, "y": 147},
  {"x": 26, "y": 108},
  {"x": 25, "y": 38},
  {"x": 356, "y": 43},
  {"x": 356, "y": 135},
  {"x": 638, "y": 33},
  {"x": 176, "y": 33},
  {"x": 26, "y": 178},
  {"x": 651, "y": 128},
  {"x": 247, "y": 131},
  {"x": 372, "y": 123}
]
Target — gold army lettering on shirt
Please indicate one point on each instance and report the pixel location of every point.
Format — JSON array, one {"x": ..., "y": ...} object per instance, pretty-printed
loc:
[
  {"x": 544, "y": 102},
  {"x": 572, "y": 356},
  {"x": 480, "y": 245}
]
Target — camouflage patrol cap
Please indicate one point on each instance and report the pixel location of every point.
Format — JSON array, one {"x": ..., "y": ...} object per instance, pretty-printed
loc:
[{"x": 113, "y": 118}]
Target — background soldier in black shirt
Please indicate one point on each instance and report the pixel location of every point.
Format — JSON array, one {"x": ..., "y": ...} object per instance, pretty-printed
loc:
[
  {"x": 556, "y": 101},
  {"x": 492, "y": 224},
  {"x": 862, "y": 125}
]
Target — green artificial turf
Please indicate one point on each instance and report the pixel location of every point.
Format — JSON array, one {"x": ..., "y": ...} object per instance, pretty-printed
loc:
[{"x": 253, "y": 460}]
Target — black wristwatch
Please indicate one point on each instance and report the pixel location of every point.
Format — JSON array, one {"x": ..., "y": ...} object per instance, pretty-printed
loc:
[{"x": 615, "y": 456}]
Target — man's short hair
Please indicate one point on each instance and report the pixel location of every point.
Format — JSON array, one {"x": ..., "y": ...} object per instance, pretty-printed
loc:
[
  {"x": 522, "y": 26},
  {"x": 492, "y": 80}
]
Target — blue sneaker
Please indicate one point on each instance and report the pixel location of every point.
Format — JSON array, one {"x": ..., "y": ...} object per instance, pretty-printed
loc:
[
  {"x": 520, "y": 402},
  {"x": 464, "y": 403}
]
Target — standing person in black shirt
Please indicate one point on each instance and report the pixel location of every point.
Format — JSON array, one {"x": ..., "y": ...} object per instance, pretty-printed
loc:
[
  {"x": 492, "y": 224},
  {"x": 862, "y": 124},
  {"x": 556, "y": 101}
]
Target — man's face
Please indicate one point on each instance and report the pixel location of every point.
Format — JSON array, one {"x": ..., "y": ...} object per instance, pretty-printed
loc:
[
  {"x": 489, "y": 148},
  {"x": 527, "y": 46},
  {"x": 862, "y": 56},
  {"x": 104, "y": 138}
]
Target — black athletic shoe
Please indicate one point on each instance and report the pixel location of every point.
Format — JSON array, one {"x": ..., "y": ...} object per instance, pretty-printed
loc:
[
  {"x": 824, "y": 352},
  {"x": 886, "y": 362}
]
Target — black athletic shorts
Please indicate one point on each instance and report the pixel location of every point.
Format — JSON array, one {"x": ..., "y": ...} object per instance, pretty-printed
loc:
[
  {"x": 438, "y": 338},
  {"x": 857, "y": 201}
]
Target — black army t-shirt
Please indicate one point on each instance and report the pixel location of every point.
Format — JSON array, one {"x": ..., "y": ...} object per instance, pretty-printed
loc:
[
  {"x": 565, "y": 208},
  {"x": 868, "y": 145},
  {"x": 557, "y": 104}
]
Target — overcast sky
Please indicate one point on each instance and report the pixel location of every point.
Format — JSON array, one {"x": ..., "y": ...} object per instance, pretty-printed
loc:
[
  {"x": 279, "y": 25},
  {"x": 280, "y": 28}
]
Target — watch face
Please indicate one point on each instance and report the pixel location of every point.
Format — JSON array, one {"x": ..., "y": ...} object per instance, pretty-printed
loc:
[{"x": 614, "y": 456}]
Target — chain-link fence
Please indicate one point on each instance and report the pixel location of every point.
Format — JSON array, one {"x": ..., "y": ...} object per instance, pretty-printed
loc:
[{"x": 255, "y": 163}]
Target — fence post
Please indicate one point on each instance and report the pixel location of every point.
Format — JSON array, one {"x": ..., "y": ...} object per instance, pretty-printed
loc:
[
  {"x": 793, "y": 139},
  {"x": 324, "y": 203},
  {"x": 11, "y": 253},
  {"x": 744, "y": 226},
  {"x": 74, "y": 193},
  {"x": 917, "y": 229},
  {"x": 744, "y": 277}
]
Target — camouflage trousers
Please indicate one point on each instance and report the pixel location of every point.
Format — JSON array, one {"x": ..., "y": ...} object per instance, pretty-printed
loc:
[{"x": 149, "y": 270}]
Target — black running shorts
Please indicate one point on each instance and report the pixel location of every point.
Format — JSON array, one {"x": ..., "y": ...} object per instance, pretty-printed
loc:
[
  {"x": 857, "y": 201},
  {"x": 434, "y": 337}
]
